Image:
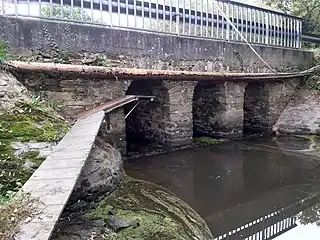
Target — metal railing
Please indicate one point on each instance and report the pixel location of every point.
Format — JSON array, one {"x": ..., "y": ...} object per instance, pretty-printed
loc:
[{"x": 197, "y": 18}]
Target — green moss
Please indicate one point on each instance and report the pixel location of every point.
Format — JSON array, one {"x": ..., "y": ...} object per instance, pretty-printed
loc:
[
  {"x": 208, "y": 140},
  {"x": 25, "y": 123},
  {"x": 311, "y": 137},
  {"x": 160, "y": 214}
]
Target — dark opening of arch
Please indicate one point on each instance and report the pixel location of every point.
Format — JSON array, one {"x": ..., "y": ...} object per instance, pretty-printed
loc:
[
  {"x": 145, "y": 125},
  {"x": 209, "y": 102},
  {"x": 256, "y": 103}
]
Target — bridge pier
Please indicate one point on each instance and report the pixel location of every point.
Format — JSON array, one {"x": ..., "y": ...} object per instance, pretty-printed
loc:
[
  {"x": 264, "y": 102},
  {"x": 218, "y": 109},
  {"x": 179, "y": 125}
]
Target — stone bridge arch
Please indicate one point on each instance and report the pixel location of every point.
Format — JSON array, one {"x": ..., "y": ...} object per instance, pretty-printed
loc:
[
  {"x": 218, "y": 109},
  {"x": 145, "y": 125}
]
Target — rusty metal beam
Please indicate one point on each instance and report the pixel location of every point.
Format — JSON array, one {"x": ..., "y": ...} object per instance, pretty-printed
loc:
[{"x": 145, "y": 74}]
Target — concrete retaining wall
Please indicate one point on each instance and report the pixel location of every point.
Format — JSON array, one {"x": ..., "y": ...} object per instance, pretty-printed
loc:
[{"x": 146, "y": 50}]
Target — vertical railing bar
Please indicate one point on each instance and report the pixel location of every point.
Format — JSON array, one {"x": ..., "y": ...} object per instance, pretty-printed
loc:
[
  {"x": 196, "y": 19},
  {"x": 237, "y": 9},
  {"x": 201, "y": 19},
  {"x": 190, "y": 18},
  {"x": 3, "y": 11},
  {"x": 127, "y": 12},
  {"x": 71, "y": 9},
  {"x": 259, "y": 26},
  {"x": 212, "y": 18},
  {"x": 267, "y": 28},
  {"x": 81, "y": 9},
  {"x": 292, "y": 29},
  {"x": 110, "y": 11},
  {"x": 91, "y": 6},
  {"x": 241, "y": 18},
  {"x": 50, "y": 8},
  {"x": 207, "y": 18},
  {"x": 217, "y": 14},
  {"x": 274, "y": 28},
  {"x": 119, "y": 18},
  {"x": 255, "y": 25},
  {"x": 16, "y": 7},
  {"x": 277, "y": 29},
  {"x": 250, "y": 24},
  {"x": 170, "y": 16},
  {"x": 300, "y": 34},
  {"x": 247, "y": 25},
  {"x": 157, "y": 15},
  {"x": 142, "y": 13},
  {"x": 232, "y": 20},
  {"x": 184, "y": 17},
  {"x": 178, "y": 18},
  {"x": 150, "y": 17},
  {"x": 101, "y": 12},
  {"x": 164, "y": 16},
  {"x": 227, "y": 22},
  {"x": 296, "y": 34}
]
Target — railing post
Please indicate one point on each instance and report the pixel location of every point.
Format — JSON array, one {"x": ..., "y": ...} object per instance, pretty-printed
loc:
[
  {"x": 227, "y": 22},
  {"x": 178, "y": 18}
]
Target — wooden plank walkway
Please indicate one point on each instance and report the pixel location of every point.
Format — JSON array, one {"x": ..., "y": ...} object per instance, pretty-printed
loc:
[{"x": 53, "y": 182}]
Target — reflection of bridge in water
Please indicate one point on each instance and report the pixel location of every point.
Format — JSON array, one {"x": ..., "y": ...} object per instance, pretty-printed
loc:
[{"x": 271, "y": 225}]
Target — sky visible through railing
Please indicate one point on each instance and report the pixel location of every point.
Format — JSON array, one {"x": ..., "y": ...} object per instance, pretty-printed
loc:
[{"x": 200, "y": 18}]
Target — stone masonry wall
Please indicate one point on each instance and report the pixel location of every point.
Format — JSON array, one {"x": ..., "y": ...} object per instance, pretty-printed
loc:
[
  {"x": 264, "y": 102},
  {"x": 218, "y": 109},
  {"x": 302, "y": 114},
  {"x": 146, "y": 50}
]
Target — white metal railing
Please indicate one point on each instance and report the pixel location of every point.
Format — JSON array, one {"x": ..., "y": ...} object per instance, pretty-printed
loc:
[{"x": 198, "y": 18}]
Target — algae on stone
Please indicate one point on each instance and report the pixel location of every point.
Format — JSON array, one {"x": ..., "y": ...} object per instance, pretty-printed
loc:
[
  {"x": 22, "y": 125},
  {"x": 154, "y": 212}
]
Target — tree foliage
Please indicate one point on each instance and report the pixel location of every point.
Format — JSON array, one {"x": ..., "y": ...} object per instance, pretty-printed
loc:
[
  {"x": 309, "y": 10},
  {"x": 65, "y": 13}
]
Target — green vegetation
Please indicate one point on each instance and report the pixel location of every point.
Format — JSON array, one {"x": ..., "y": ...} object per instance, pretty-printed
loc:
[
  {"x": 208, "y": 140},
  {"x": 154, "y": 213},
  {"x": 309, "y": 10},
  {"x": 3, "y": 51},
  {"x": 65, "y": 13},
  {"x": 27, "y": 122},
  {"x": 15, "y": 211}
]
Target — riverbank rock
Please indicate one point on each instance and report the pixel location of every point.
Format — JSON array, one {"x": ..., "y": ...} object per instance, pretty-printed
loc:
[
  {"x": 11, "y": 91},
  {"x": 301, "y": 115},
  {"x": 102, "y": 173},
  {"x": 137, "y": 210}
]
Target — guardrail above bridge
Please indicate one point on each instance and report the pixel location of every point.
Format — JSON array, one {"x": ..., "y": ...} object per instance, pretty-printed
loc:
[{"x": 192, "y": 18}]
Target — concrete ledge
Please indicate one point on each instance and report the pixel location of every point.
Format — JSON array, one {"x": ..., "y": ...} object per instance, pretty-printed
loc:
[{"x": 53, "y": 182}]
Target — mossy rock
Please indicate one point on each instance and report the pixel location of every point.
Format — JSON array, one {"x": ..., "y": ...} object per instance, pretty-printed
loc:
[
  {"x": 159, "y": 214},
  {"x": 208, "y": 140},
  {"x": 24, "y": 123}
]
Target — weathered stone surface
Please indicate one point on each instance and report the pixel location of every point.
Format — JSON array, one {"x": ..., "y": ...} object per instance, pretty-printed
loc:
[
  {"x": 44, "y": 148},
  {"x": 146, "y": 50},
  {"x": 137, "y": 210},
  {"x": 11, "y": 91},
  {"x": 218, "y": 109},
  {"x": 264, "y": 102},
  {"x": 101, "y": 173},
  {"x": 179, "y": 126},
  {"x": 301, "y": 115}
]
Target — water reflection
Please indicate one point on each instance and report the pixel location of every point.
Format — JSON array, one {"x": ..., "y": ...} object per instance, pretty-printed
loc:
[{"x": 243, "y": 189}]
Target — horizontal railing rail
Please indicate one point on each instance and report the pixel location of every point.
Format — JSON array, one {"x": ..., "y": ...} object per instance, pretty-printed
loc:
[{"x": 200, "y": 18}]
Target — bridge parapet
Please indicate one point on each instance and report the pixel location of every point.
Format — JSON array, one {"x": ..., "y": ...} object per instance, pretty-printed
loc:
[{"x": 208, "y": 19}]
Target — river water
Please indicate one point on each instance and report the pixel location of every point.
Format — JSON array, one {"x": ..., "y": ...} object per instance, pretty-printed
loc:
[{"x": 257, "y": 189}]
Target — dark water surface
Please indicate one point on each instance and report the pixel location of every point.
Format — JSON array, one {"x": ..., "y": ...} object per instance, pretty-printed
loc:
[{"x": 259, "y": 189}]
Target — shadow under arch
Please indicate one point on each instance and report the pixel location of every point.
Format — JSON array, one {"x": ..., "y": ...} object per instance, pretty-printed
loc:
[
  {"x": 208, "y": 107},
  {"x": 146, "y": 124}
]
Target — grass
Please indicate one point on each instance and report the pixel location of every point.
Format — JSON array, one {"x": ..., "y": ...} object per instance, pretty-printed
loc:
[
  {"x": 17, "y": 209},
  {"x": 3, "y": 51},
  {"x": 208, "y": 140},
  {"x": 32, "y": 121}
]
